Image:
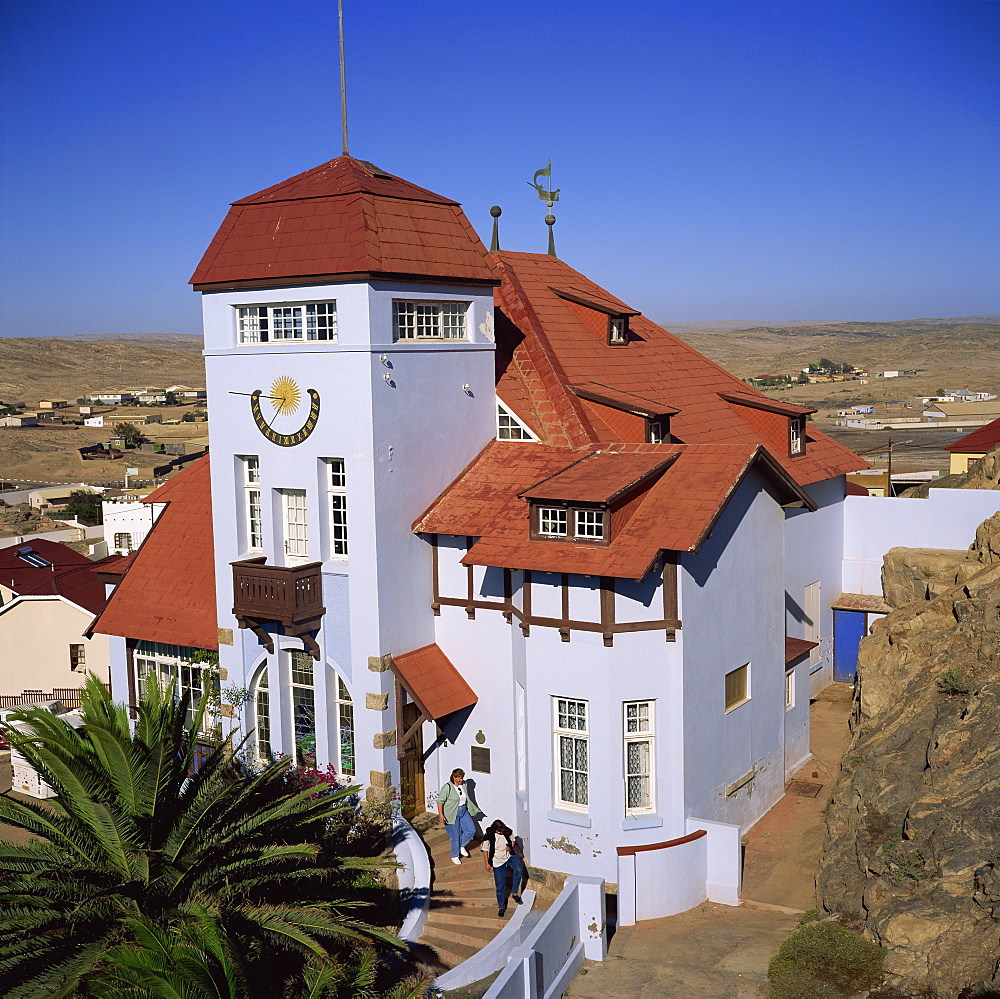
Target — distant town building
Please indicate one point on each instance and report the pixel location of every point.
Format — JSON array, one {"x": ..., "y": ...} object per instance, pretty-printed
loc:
[
  {"x": 126, "y": 524},
  {"x": 963, "y": 412},
  {"x": 112, "y": 398},
  {"x": 53, "y": 404},
  {"x": 49, "y": 595},
  {"x": 22, "y": 420},
  {"x": 967, "y": 450}
]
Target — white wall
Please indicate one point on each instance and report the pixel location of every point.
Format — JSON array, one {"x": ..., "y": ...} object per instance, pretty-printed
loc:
[
  {"x": 948, "y": 518},
  {"x": 133, "y": 518},
  {"x": 733, "y": 613},
  {"x": 402, "y": 438}
]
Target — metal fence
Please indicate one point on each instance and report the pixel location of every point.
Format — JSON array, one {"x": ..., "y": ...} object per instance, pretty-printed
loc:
[{"x": 70, "y": 697}]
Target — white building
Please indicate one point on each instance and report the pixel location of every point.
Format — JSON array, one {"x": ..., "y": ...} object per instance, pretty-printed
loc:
[{"x": 470, "y": 509}]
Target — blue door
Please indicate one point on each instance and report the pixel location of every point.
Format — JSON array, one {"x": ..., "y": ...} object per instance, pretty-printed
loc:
[{"x": 848, "y": 630}]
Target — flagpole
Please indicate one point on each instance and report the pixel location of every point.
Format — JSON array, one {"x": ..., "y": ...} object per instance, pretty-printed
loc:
[{"x": 343, "y": 76}]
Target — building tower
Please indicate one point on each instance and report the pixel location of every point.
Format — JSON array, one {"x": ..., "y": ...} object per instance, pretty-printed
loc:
[{"x": 350, "y": 378}]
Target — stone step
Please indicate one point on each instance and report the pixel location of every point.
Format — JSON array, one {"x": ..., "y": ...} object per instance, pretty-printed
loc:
[
  {"x": 475, "y": 937},
  {"x": 449, "y": 918},
  {"x": 464, "y": 899},
  {"x": 449, "y": 953},
  {"x": 453, "y": 884}
]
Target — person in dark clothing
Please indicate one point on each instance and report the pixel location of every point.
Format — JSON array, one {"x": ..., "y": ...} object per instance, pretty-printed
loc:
[{"x": 500, "y": 856}]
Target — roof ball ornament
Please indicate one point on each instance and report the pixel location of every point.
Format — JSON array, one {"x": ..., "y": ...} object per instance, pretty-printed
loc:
[{"x": 549, "y": 197}]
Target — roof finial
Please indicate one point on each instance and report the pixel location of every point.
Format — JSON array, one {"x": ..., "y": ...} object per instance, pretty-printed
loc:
[
  {"x": 496, "y": 211},
  {"x": 343, "y": 75},
  {"x": 549, "y": 197}
]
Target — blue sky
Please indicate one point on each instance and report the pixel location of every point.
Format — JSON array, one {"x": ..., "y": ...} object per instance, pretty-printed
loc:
[{"x": 717, "y": 159}]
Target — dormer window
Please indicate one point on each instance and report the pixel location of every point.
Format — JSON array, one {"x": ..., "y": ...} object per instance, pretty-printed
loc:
[
  {"x": 797, "y": 435},
  {"x": 658, "y": 430},
  {"x": 617, "y": 331},
  {"x": 570, "y": 523},
  {"x": 552, "y": 521},
  {"x": 590, "y": 524}
]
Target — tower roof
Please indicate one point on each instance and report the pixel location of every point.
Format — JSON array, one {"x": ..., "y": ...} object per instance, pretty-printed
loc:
[{"x": 343, "y": 220}]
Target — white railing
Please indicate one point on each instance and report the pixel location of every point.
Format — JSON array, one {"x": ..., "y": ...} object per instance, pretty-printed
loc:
[
  {"x": 574, "y": 928},
  {"x": 413, "y": 877}
]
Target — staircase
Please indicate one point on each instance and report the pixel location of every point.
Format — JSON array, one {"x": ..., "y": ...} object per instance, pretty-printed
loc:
[{"x": 463, "y": 907}]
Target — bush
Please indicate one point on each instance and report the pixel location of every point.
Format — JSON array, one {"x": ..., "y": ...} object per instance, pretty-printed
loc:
[
  {"x": 823, "y": 960},
  {"x": 952, "y": 682}
]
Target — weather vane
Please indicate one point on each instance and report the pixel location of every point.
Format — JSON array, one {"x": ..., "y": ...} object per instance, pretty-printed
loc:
[{"x": 549, "y": 197}]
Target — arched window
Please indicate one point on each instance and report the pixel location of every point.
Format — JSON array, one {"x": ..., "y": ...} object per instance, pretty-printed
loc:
[
  {"x": 345, "y": 719},
  {"x": 303, "y": 707},
  {"x": 262, "y": 717}
]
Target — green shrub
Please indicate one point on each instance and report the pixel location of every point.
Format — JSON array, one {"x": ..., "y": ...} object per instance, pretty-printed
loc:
[
  {"x": 952, "y": 682},
  {"x": 823, "y": 960}
]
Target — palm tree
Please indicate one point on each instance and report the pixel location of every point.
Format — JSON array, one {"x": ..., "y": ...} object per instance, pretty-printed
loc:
[{"x": 148, "y": 848}]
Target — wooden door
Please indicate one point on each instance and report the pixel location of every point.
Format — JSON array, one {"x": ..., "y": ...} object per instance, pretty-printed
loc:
[{"x": 411, "y": 767}]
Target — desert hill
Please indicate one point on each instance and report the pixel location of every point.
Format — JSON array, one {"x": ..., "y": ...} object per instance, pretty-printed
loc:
[
  {"x": 952, "y": 353},
  {"x": 33, "y": 368}
]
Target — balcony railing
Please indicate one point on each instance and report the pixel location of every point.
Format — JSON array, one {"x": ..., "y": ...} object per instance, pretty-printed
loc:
[{"x": 291, "y": 595}]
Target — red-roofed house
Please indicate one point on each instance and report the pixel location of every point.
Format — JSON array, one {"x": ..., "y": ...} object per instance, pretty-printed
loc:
[
  {"x": 967, "y": 450},
  {"x": 49, "y": 594},
  {"x": 470, "y": 509}
]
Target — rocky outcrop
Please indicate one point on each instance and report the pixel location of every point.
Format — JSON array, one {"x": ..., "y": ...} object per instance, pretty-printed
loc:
[
  {"x": 985, "y": 474},
  {"x": 912, "y": 851}
]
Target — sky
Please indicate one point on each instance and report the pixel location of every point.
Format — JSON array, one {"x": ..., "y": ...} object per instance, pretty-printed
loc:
[{"x": 718, "y": 159}]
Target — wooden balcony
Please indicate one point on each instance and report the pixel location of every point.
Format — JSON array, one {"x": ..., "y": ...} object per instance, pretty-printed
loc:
[{"x": 287, "y": 595}]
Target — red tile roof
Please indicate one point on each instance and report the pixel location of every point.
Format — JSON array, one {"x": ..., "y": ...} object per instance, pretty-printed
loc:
[
  {"x": 167, "y": 593},
  {"x": 598, "y": 476},
  {"x": 675, "y": 512},
  {"x": 345, "y": 218},
  {"x": 433, "y": 681},
  {"x": 68, "y": 573},
  {"x": 547, "y": 344},
  {"x": 979, "y": 441}
]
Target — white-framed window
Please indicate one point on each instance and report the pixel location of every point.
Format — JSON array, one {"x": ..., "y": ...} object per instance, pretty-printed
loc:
[
  {"x": 429, "y": 320},
  {"x": 796, "y": 435},
  {"x": 737, "y": 686},
  {"x": 163, "y": 664},
  {"x": 336, "y": 501},
  {"x": 297, "y": 321},
  {"x": 293, "y": 507},
  {"x": 251, "y": 503},
  {"x": 123, "y": 541},
  {"x": 509, "y": 427},
  {"x": 790, "y": 689},
  {"x": 590, "y": 524},
  {"x": 657, "y": 431},
  {"x": 262, "y": 717},
  {"x": 552, "y": 521},
  {"x": 572, "y": 749},
  {"x": 345, "y": 721},
  {"x": 638, "y": 729}
]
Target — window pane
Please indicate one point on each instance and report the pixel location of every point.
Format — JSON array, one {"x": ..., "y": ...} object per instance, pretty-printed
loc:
[
  {"x": 347, "y": 739},
  {"x": 638, "y": 792},
  {"x": 736, "y": 687},
  {"x": 302, "y": 668}
]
